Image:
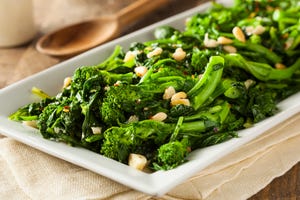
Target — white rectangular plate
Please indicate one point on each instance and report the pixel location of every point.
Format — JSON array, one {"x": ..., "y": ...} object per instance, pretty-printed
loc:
[{"x": 157, "y": 183}]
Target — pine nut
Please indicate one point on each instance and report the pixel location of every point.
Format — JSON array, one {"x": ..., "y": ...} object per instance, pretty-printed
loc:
[
  {"x": 179, "y": 95},
  {"x": 137, "y": 161},
  {"x": 67, "y": 82},
  {"x": 200, "y": 76},
  {"x": 209, "y": 43},
  {"x": 160, "y": 116},
  {"x": 96, "y": 130},
  {"x": 179, "y": 54},
  {"x": 250, "y": 30},
  {"x": 239, "y": 34},
  {"x": 140, "y": 71},
  {"x": 248, "y": 83},
  {"x": 157, "y": 51},
  {"x": 280, "y": 66},
  {"x": 117, "y": 83},
  {"x": 129, "y": 56},
  {"x": 180, "y": 101},
  {"x": 66, "y": 109},
  {"x": 133, "y": 118},
  {"x": 224, "y": 40},
  {"x": 32, "y": 123},
  {"x": 259, "y": 30},
  {"x": 169, "y": 92},
  {"x": 230, "y": 49}
]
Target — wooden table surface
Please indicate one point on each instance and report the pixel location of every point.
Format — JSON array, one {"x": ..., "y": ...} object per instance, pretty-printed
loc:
[{"x": 20, "y": 62}]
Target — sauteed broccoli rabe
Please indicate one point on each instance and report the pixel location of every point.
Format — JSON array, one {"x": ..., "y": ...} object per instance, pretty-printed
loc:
[{"x": 151, "y": 105}]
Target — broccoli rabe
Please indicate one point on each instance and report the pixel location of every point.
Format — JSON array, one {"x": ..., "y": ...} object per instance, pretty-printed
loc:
[
  {"x": 119, "y": 142},
  {"x": 124, "y": 100},
  {"x": 171, "y": 154},
  {"x": 208, "y": 82},
  {"x": 261, "y": 71},
  {"x": 191, "y": 128},
  {"x": 183, "y": 90}
]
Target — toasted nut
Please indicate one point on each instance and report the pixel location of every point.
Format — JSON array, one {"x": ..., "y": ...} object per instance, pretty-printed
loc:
[
  {"x": 181, "y": 101},
  {"x": 239, "y": 34},
  {"x": 133, "y": 118},
  {"x": 179, "y": 54},
  {"x": 137, "y": 161},
  {"x": 248, "y": 83},
  {"x": 129, "y": 56},
  {"x": 224, "y": 40},
  {"x": 117, "y": 83},
  {"x": 280, "y": 66},
  {"x": 259, "y": 30},
  {"x": 140, "y": 71},
  {"x": 230, "y": 49},
  {"x": 30, "y": 123},
  {"x": 66, "y": 109},
  {"x": 67, "y": 82},
  {"x": 250, "y": 30},
  {"x": 160, "y": 116},
  {"x": 179, "y": 95},
  {"x": 169, "y": 92},
  {"x": 209, "y": 43},
  {"x": 155, "y": 52},
  {"x": 96, "y": 130}
]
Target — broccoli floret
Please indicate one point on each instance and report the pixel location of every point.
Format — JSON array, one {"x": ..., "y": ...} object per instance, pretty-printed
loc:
[
  {"x": 45, "y": 120},
  {"x": 119, "y": 142},
  {"x": 90, "y": 79},
  {"x": 111, "y": 114},
  {"x": 171, "y": 154},
  {"x": 119, "y": 100},
  {"x": 123, "y": 100}
]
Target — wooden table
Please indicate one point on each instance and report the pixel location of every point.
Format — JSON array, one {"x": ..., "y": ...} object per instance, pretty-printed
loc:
[{"x": 19, "y": 62}]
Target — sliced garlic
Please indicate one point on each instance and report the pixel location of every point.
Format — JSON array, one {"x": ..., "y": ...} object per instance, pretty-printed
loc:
[{"x": 137, "y": 161}]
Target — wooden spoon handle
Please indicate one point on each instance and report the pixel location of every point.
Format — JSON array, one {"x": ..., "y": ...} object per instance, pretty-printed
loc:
[{"x": 137, "y": 9}]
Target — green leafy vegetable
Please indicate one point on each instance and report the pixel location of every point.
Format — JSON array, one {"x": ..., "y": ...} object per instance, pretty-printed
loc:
[{"x": 181, "y": 91}]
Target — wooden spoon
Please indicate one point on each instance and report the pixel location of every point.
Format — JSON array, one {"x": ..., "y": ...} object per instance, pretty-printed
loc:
[{"x": 82, "y": 36}]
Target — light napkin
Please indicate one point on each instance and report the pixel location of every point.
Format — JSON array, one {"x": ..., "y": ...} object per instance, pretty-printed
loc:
[{"x": 30, "y": 174}]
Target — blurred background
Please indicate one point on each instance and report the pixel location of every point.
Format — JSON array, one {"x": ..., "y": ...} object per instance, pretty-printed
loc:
[{"x": 22, "y": 61}]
